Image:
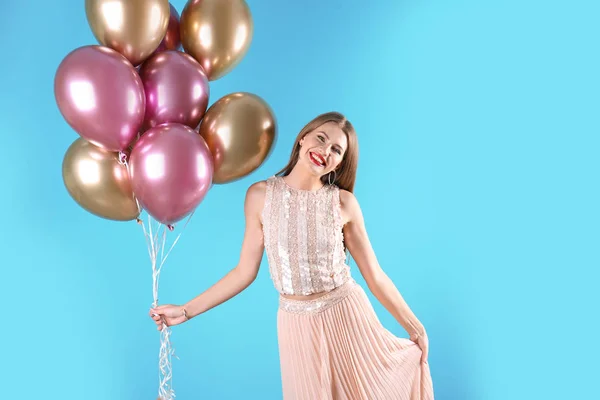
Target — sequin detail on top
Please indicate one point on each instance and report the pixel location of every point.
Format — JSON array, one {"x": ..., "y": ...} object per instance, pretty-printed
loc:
[{"x": 303, "y": 238}]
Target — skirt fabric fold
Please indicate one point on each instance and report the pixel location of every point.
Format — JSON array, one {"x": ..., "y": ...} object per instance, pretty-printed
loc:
[{"x": 335, "y": 348}]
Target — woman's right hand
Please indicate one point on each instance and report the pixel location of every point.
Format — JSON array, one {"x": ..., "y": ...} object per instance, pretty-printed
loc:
[{"x": 168, "y": 314}]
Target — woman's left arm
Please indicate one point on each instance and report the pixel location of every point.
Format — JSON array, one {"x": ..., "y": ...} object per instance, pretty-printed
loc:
[{"x": 358, "y": 243}]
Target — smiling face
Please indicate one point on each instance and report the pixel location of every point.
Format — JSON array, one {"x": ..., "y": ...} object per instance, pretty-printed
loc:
[{"x": 322, "y": 149}]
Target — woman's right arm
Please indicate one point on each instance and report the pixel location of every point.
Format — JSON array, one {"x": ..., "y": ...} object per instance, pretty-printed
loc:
[
  {"x": 240, "y": 277},
  {"x": 237, "y": 279}
]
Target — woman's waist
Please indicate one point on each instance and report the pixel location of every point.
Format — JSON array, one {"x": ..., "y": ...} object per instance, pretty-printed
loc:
[
  {"x": 341, "y": 281},
  {"x": 299, "y": 297},
  {"x": 316, "y": 296},
  {"x": 317, "y": 302}
]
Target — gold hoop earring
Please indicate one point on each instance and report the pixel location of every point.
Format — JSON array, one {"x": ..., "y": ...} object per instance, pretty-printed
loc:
[{"x": 329, "y": 177}]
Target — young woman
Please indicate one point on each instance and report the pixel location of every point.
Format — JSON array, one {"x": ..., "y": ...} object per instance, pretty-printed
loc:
[{"x": 331, "y": 344}]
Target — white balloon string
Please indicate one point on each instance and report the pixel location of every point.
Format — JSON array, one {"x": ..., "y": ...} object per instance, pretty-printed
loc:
[
  {"x": 123, "y": 160},
  {"x": 165, "y": 390},
  {"x": 176, "y": 240},
  {"x": 166, "y": 351},
  {"x": 162, "y": 248}
]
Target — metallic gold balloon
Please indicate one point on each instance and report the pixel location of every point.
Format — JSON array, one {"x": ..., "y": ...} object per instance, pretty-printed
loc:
[
  {"x": 98, "y": 182},
  {"x": 240, "y": 130},
  {"x": 134, "y": 28},
  {"x": 217, "y": 33}
]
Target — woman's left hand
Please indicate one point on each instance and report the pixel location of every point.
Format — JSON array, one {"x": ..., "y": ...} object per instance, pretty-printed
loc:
[{"x": 423, "y": 342}]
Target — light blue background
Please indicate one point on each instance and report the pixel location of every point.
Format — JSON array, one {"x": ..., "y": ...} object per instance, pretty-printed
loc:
[{"x": 478, "y": 177}]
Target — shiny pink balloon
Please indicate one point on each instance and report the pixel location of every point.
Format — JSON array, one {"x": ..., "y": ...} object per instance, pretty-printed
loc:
[
  {"x": 171, "y": 171},
  {"x": 176, "y": 89},
  {"x": 172, "y": 39},
  {"x": 101, "y": 96}
]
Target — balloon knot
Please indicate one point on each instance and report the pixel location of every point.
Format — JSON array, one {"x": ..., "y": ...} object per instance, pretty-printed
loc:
[
  {"x": 122, "y": 158},
  {"x": 171, "y": 227},
  {"x": 139, "y": 221}
]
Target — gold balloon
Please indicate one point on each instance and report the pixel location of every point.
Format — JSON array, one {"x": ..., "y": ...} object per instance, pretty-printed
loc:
[
  {"x": 98, "y": 182},
  {"x": 217, "y": 33},
  {"x": 134, "y": 28},
  {"x": 240, "y": 131}
]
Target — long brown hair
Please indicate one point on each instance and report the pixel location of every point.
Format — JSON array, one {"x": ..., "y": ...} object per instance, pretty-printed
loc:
[{"x": 345, "y": 173}]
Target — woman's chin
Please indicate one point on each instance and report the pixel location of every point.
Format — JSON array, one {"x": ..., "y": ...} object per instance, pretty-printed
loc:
[
  {"x": 314, "y": 170},
  {"x": 318, "y": 172}
]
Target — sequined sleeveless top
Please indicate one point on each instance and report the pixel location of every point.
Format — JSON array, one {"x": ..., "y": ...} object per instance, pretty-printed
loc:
[{"x": 303, "y": 238}]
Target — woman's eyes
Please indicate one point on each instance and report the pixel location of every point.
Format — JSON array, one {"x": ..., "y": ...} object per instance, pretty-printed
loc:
[{"x": 322, "y": 139}]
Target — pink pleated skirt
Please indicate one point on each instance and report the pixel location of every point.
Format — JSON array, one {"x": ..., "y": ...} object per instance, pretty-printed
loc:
[{"x": 335, "y": 348}]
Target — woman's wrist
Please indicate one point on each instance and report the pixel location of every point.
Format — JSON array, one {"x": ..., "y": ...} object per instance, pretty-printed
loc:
[
  {"x": 192, "y": 308},
  {"x": 417, "y": 333},
  {"x": 184, "y": 313}
]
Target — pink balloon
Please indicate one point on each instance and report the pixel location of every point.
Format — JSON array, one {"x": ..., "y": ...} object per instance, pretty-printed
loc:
[
  {"x": 176, "y": 89},
  {"x": 171, "y": 171},
  {"x": 172, "y": 39},
  {"x": 101, "y": 96}
]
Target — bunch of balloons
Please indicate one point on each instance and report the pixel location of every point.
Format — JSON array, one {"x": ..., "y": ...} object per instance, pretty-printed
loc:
[{"x": 139, "y": 102}]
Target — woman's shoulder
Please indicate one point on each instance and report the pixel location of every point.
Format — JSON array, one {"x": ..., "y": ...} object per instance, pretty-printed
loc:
[
  {"x": 348, "y": 203},
  {"x": 261, "y": 187},
  {"x": 258, "y": 188},
  {"x": 347, "y": 197},
  {"x": 255, "y": 197}
]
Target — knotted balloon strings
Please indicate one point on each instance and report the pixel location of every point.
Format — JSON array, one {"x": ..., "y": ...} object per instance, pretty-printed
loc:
[{"x": 156, "y": 246}]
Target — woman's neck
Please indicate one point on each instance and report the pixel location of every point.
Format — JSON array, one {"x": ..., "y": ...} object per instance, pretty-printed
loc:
[{"x": 302, "y": 180}]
